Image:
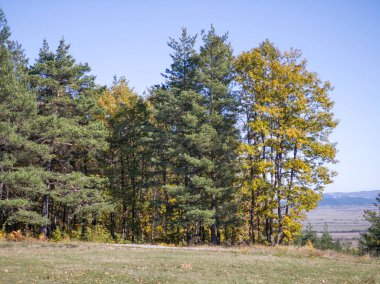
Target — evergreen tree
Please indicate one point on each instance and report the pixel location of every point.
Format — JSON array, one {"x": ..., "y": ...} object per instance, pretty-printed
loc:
[
  {"x": 129, "y": 157},
  {"x": 309, "y": 235},
  {"x": 164, "y": 111},
  {"x": 180, "y": 116},
  {"x": 21, "y": 177},
  {"x": 192, "y": 168},
  {"x": 215, "y": 76},
  {"x": 168, "y": 103},
  {"x": 182, "y": 70},
  {"x": 370, "y": 240},
  {"x": 68, "y": 110}
]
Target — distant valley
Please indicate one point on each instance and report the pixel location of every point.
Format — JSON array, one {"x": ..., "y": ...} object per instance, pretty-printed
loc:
[{"x": 343, "y": 213}]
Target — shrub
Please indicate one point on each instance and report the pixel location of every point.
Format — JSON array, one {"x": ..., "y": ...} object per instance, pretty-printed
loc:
[
  {"x": 16, "y": 236},
  {"x": 98, "y": 234},
  {"x": 3, "y": 234},
  {"x": 325, "y": 242},
  {"x": 307, "y": 236},
  {"x": 75, "y": 234},
  {"x": 59, "y": 235},
  {"x": 370, "y": 240}
]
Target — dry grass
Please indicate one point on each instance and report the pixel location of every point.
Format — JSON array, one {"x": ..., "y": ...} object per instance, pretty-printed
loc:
[{"x": 45, "y": 262}]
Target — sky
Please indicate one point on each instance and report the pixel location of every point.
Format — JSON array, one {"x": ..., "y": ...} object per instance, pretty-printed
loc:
[{"x": 340, "y": 40}]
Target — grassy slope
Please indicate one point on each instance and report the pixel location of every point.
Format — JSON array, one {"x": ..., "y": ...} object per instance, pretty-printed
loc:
[{"x": 94, "y": 263}]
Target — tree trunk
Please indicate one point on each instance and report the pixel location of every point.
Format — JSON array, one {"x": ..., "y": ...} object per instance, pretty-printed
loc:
[
  {"x": 188, "y": 234},
  {"x": 1, "y": 190},
  {"x": 258, "y": 229},
  {"x": 112, "y": 228},
  {"x": 45, "y": 202},
  {"x": 45, "y": 213},
  {"x": 95, "y": 219},
  {"x": 154, "y": 215},
  {"x": 133, "y": 211},
  {"x": 215, "y": 233},
  {"x": 84, "y": 224},
  {"x": 280, "y": 223},
  {"x": 202, "y": 234},
  {"x": 251, "y": 213},
  {"x": 124, "y": 230},
  {"x": 64, "y": 216},
  {"x": 2, "y": 212},
  {"x": 214, "y": 239}
]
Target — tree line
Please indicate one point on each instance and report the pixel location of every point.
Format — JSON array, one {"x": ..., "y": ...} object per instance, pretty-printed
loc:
[{"x": 226, "y": 149}]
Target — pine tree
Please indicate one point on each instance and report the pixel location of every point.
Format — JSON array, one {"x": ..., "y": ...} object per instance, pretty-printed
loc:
[
  {"x": 180, "y": 116},
  {"x": 21, "y": 176},
  {"x": 166, "y": 102},
  {"x": 370, "y": 240},
  {"x": 215, "y": 76},
  {"x": 129, "y": 157},
  {"x": 164, "y": 111},
  {"x": 193, "y": 138},
  {"x": 182, "y": 70},
  {"x": 309, "y": 235},
  {"x": 68, "y": 110}
]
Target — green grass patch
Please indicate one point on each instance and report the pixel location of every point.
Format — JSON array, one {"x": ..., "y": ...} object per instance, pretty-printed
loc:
[{"x": 97, "y": 263}]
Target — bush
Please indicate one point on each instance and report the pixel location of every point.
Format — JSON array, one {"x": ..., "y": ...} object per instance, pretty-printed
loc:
[
  {"x": 3, "y": 234},
  {"x": 75, "y": 234},
  {"x": 325, "y": 242},
  {"x": 16, "y": 236},
  {"x": 307, "y": 236},
  {"x": 98, "y": 234},
  {"x": 59, "y": 235},
  {"x": 370, "y": 240}
]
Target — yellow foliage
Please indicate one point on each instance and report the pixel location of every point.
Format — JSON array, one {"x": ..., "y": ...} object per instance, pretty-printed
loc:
[
  {"x": 292, "y": 228},
  {"x": 118, "y": 96},
  {"x": 3, "y": 235},
  {"x": 16, "y": 236},
  {"x": 42, "y": 237}
]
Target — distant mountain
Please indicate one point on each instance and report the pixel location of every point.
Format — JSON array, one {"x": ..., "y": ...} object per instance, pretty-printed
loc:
[{"x": 349, "y": 198}]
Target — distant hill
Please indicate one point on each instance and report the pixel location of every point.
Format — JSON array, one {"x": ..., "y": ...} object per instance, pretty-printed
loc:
[{"x": 349, "y": 198}]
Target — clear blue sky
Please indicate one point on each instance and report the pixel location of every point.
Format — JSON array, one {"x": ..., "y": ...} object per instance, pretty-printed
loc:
[{"x": 340, "y": 39}]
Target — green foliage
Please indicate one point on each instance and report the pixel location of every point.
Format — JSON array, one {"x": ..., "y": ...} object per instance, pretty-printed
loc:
[
  {"x": 59, "y": 235},
  {"x": 129, "y": 124},
  {"x": 76, "y": 233},
  {"x": 69, "y": 126},
  {"x": 21, "y": 174},
  {"x": 182, "y": 70},
  {"x": 370, "y": 240},
  {"x": 98, "y": 234},
  {"x": 307, "y": 236},
  {"x": 27, "y": 218},
  {"x": 325, "y": 242}
]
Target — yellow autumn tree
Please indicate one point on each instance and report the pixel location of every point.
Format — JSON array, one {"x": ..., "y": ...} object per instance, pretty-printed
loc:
[
  {"x": 286, "y": 151},
  {"x": 116, "y": 97}
]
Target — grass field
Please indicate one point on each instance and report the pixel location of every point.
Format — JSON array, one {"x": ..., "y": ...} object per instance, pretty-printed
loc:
[{"x": 94, "y": 263}]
